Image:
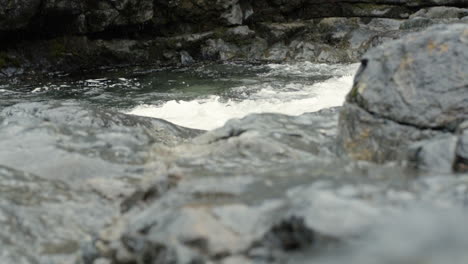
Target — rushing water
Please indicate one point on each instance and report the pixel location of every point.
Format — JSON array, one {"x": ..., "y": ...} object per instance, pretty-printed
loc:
[
  {"x": 275, "y": 88},
  {"x": 202, "y": 96}
]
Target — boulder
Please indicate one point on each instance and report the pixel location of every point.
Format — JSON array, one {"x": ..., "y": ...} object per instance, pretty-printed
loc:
[{"x": 408, "y": 90}]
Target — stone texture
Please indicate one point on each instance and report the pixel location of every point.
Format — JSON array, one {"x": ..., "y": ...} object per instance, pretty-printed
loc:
[
  {"x": 91, "y": 34},
  {"x": 405, "y": 91},
  {"x": 461, "y": 159},
  {"x": 17, "y": 14},
  {"x": 252, "y": 192}
]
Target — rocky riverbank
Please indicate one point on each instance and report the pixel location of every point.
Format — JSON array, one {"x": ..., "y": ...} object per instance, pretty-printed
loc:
[
  {"x": 66, "y": 35},
  {"x": 84, "y": 185},
  {"x": 382, "y": 179}
]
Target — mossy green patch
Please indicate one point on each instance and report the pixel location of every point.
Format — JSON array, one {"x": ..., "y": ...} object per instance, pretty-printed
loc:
[
  {"x": 354, "y": 92},
  {"x": 357, "y": 89}
]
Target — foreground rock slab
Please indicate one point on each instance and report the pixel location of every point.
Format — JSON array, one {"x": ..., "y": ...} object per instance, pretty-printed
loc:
[
  {"x": 253, "y": 192},
  {"x": 63, "y": 169}
]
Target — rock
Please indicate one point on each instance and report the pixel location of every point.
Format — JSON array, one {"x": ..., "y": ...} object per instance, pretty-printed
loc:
[
  {"x": 235, "y": 201},
  {"x": 17, "y": 14},
  {"x": 234, "y": 16},
  {"x": 71, "y": 35},
  {"x": 250, "y": 140},
  {"x": 63, "y": 167},
  {"x": 218, "y": 49},
  {"x": 279, "y": 31},
  {"x": 435, "y": 154},
  {"x": 396, "y": 97},
  {"x": 434, "y": 15},
  {"x": 441, "y": 12},
  {"x": 50, "y": 131},
  {"x": 372, "y": 10},
  {"x": 461, "y": 159},
  {"x": 241, "y": 32},
  {"x": 185, "y": 58},
  {"x": 418, "y": 23},
  {"x": 89, "y": 186},
  {"x": 44, "y": 219}
]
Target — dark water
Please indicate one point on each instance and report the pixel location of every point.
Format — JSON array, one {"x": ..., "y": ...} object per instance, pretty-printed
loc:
[{"x": 127, "y": 88}]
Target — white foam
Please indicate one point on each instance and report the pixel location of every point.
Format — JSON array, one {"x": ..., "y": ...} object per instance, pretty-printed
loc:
[{"x": 293, "y": 99}]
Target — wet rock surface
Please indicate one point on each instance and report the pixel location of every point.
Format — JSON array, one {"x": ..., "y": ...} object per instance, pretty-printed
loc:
[{"x": 411, "y": 90}]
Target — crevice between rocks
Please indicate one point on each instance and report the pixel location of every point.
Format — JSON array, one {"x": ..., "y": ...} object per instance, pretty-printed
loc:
[
  {"x": 232, "y": 133},
  {"x": 385, "y": 118}
]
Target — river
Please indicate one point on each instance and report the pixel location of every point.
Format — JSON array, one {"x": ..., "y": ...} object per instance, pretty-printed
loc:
[{"x": 200, "y": 96}]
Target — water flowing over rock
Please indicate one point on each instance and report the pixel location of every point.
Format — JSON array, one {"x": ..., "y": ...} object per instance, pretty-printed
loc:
[{"x": 406, "y": 91}]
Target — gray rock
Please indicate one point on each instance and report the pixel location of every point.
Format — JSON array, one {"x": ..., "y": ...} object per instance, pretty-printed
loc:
[
  {"x": 436, "y": 154},
  {"x": 441, "y": 12},
  {"x": 248, "y": 141},
  {"x": 370, "y": 10},
  {"x": 234, "y": 16},
  {"x": 218, "y": 49},
  {"x": 367, "y": 137},
  {"x": 434, "y": 15},
  {"x": 233, "y": 201},
  {"x": 44, "y": 219},
  {"x": 185, "y": 58},
  {"x": 418, "y": 23},
  {"x": 413, "y": 73},
  {"x": 280, "y": 31},
  {"x": 241, "y": 32},
  {"x": 50, "y": 131},
  {"x": 405, "y": 91},
  {"x": 62, "y": 168},
  {"x": 114, "y": 32},
  {"x": 461, "y": 160}
]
